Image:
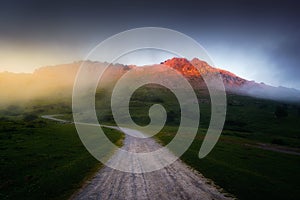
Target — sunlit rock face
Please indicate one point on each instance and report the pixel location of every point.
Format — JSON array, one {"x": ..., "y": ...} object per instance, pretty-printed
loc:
[{"x": 183, "y": 66}]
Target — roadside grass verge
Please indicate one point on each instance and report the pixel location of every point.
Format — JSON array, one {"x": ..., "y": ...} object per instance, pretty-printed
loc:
[
  {"x": 247, "y": 172},
  {"x": 44, "y": 159}
]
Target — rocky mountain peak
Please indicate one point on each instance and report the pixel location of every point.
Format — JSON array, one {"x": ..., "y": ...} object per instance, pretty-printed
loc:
[{"x": 183, "y": 66}]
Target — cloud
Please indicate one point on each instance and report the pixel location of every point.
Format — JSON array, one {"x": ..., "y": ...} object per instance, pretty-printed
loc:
[{"x": 285, "y": 60}]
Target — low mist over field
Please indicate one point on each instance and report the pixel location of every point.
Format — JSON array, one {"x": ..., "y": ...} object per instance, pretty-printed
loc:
[
  {"x": 56, "y": 82},
  {"x": 47, "y": 82}
]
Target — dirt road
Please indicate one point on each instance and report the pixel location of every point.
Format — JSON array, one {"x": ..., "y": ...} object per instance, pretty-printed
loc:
[
  {"x": 176, "y": 181},
  {"x": 54, "y": 118}
]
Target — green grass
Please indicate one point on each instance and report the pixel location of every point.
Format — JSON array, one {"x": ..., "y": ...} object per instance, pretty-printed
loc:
[
  {"x": 247, "y": 172},
  {"x": 44, "y": 160},
  {"x": 246, "y": 117}
]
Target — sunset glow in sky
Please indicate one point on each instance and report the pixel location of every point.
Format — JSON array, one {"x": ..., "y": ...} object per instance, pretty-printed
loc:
[{"x": 257, "y": 40}]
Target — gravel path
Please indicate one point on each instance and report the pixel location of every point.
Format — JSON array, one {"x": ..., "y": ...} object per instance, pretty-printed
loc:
[
  {"x": 176, "y": 181},
  {"x": 54, "y": 118}
]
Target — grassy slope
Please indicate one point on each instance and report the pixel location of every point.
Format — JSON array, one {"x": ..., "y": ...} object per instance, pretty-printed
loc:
[
  {"x": 247, "y": 172},
  {"x": 47, "y": 160},
  {"x": 43, "y": 160}
]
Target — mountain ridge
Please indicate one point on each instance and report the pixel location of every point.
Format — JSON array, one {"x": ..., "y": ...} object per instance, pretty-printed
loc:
[
  {"x": 54, "y": 78},
  {"x": 232, "y": 82}
]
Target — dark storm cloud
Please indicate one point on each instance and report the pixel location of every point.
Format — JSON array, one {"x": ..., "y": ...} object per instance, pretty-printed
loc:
[
  {"x": 35, "y": 17},
  {"x": 270, "y": 26}
]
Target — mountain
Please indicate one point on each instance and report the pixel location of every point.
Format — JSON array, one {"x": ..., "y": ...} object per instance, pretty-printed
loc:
[
  {"x": 233, "y": 83},
  {"x": 57, "y": 81}
]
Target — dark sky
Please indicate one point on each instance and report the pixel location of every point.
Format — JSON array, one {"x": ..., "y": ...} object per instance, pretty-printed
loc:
[{"x": 258, "y": 40}]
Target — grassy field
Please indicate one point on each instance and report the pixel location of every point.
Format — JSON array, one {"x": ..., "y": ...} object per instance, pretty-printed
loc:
[
  {"x": 246, "y": 117},
  {"x": 246, "y": 172},
  {"x": 41, "y": 159},
  {"x": 243, "y": 170}
]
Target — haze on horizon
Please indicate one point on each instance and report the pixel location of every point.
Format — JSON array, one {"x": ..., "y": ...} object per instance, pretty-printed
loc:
[{"x": 253, "y": 39}]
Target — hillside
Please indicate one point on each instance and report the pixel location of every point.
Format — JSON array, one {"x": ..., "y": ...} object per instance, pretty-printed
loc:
[{"x": 57, "y": 81}]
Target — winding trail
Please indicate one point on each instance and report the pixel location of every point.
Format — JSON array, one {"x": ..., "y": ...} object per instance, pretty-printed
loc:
[
  {"x": 54, "y": 118},
  {"x": 176, "y": 181}
]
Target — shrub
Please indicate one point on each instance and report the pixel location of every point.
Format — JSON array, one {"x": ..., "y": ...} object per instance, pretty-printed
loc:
[{"x": 30, "y": 117}]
